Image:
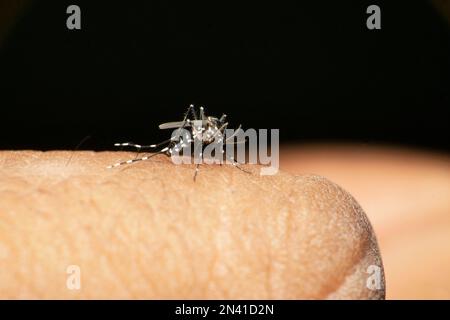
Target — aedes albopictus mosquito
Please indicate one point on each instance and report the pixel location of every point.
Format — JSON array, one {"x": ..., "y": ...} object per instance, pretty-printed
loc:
[{"x": 205, "y": 129}]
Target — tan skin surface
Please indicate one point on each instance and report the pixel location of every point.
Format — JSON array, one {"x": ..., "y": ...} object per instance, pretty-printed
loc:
[
  {"x": 406, "y": 195},
  {"x": 148, "y": 231}
]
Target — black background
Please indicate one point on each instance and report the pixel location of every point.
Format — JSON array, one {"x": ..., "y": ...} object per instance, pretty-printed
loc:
[
  {"x": 159, "y": 309},
  {"x": 312, "y": 69}
]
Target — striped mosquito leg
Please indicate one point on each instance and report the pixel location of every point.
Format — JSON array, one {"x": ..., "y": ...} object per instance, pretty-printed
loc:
[
  {"x": 140, "y": 147},
  {"x": 130, "y": 144},
  {"x": 118, "y": 164},
  {"x": 134, "y": 145}
]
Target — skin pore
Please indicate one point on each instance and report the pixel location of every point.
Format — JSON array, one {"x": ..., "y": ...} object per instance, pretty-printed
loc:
[{"x": 148, "y": 230}]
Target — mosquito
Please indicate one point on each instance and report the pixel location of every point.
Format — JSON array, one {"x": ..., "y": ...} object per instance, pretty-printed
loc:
[{"x": 205, "y": 129}]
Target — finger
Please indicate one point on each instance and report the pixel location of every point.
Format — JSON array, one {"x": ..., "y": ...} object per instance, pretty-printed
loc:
[{"x": 149, "y": 231}]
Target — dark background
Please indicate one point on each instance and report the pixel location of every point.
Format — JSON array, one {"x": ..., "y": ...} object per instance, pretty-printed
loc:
[{"x": 310, "y": 68}]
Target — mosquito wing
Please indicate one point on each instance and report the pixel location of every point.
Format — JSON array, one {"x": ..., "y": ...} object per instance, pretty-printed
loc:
[
  {"x": 236, "y": 142},
  {"x": 172, "y": 125},
  {"x": 179, "y": 124}
]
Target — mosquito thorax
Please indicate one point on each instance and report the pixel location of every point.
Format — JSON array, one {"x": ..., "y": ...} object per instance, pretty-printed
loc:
[{"x": 206, "y": 131}]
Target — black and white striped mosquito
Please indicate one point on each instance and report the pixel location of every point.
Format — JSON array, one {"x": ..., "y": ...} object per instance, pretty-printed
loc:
[{"x": 202, "y": 128}]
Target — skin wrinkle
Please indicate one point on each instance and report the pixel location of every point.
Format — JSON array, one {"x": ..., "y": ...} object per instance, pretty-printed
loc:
[
  {"x": 212, "y": 274},
  {"x": 210, "y": 279},
  {"x": 142, "y": 265},
  {"x": 269, "y": 274},
  {"x": 101, "y": 247},
  {"x": 282, "y": 251},
  {"x": 358, "y": 255},
  {"x": 358, "y": 259},
  {"x": 146, "y": 203},
  {"x": 222, "y": 240},
  {"x": 188, "y": 252},
  {"x": 339, "y": 284},
  {"x": 109, "y": 255},
  {"x": 221, "y": 237},
  {"x": 331, "y": 294},
  {"x": 330, "y": 189},
  {"x": 235, "y": 235},
  {"x": 270, "y": 277},
  {"x": 268, "y": 246},
  {"x": 172, "y": 229},
  {"x": 371, "y": 252},
  {"x": 273, "y": 279},
  {"x": 283, "y": 254}
]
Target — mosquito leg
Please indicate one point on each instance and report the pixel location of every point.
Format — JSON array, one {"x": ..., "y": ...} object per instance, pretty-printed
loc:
[
  {"x": 185, "y": 119},
  {"x": 220, "y": 130},
  {"x": 202, "y": 114},
  {"x": 196, "y": 171},
  {"x": 189, "y": 110},
  {"x": 237, "y": 142},
  {"x": 118, "y": 164},
  {"x": 237, "y": 165},
  {"x": 222, "y": 118},
  {"x": 234, "y": 134},
  {"x": 139, "y": 147},
  {"x": 222, "y": 153},
  {"x": 192, "y": 110},
  {"x": 130, "y": 144}
]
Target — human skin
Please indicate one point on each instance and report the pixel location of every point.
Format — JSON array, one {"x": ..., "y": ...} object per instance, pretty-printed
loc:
[
  {"x": 149, "y": 231},
  {"x": 406, "y": 194}
]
